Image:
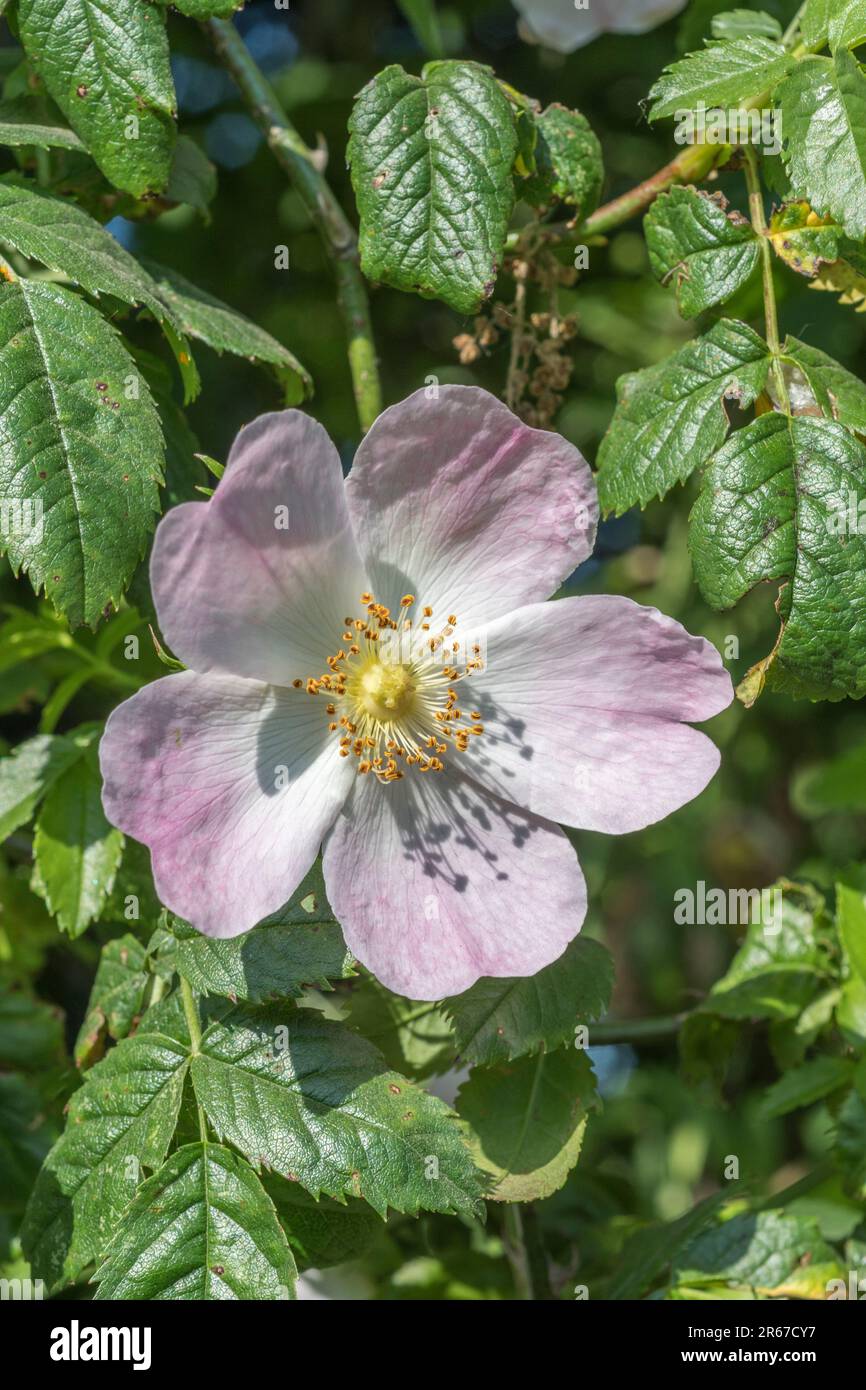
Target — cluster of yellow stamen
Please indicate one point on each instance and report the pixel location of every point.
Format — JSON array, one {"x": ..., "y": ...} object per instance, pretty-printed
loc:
[{"x": 391, "y": 690}]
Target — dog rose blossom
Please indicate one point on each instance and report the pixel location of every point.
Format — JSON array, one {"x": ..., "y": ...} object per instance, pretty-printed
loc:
[
  {"x": 561, "y": 25},
  {"x": 373, "y": 671}
]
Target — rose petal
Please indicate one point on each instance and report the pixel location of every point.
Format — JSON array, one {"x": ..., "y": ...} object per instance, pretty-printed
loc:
[
  {"x": 436, "y": 884},
  {"x": 456, "y": 501},
  {"x": 192, "y": 768},
  {"x": 581, "y": 702},
  {"x": 560, "y": 25},
  {"x": 236, "y": 592}
]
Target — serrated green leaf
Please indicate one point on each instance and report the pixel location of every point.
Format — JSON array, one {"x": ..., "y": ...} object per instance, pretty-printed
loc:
[
  {"x": 265, "y": 963},
  {"x": 526, "y": 1121},
  {"x": 707, "y": 252},
  {"x": 823, "y": 111},
  {"x": 193, "y": 178},
  {"x": 75, "y": 850},
  {"x": 120, "y": 1121},
  {"x": 740, "y": 24},
  {"x": 321, "y": 1232},
  {"x": 776, "y": 974},
  {"x": 568, "y": 161},
  {"x": 204, "y": 9},
  {"x": 837, "y": 392},
  {"x": 18, "y": 127},
  {"x": 802, "y": 239},
  {"x": 671, "y": 418},
  {"x": 431, "y": 160},
  {"x": 498, "y": 1020},
  {"x": 76, "y": 448},
  {"x": 206, "y": 318},
  {"x": 648, "y": 1252},
  {"x": 27, "y": 774},
  {"x": 847, "y": 28},
  {"x": 414, "y": 1037},
  {"x": 203, "y": 1227},
  {"x": 804, "y": 1085},
  {"x": 774, "y": 505},
  {"x": 106, "y": 64},
  {"x": 115, "y": 999},
  {"x": 723, "y": 74},
  {"x": 312, "y": 1100},
  {"x": 771, "y": 1252}
]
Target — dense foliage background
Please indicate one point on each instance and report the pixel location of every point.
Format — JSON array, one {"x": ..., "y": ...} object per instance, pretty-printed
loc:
[{"x": 660, "y": 1144}]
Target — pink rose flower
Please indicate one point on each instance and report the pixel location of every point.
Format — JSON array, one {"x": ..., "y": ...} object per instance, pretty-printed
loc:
[
  {"x": 561, "y": 25},
  {"x": 372, "y": 670}
]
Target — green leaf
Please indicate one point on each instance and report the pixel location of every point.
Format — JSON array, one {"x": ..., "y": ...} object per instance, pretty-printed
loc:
[
  {"x": 61, "y": 236},
  {"x": 115, "y": 999},
  {"x": 498, "y": 1020},
  {"x": 414, "y": 1037},
  {"x": 25, "y": 1137},
  {"x": 742, "y": 24},
  {"x": 823, "y": 111},
  {"x": 671, "y": 418},
  {"x": 646, "y": 1255},
  {"x": 122, "y": 1119},
  {"x": 837, "y": 785},
  {"x": 527, "y": 1119},
  {"x": 265, "y": 963},
  {"x": 847, "y": 24},
  {"x": 75, "y": 850},
  {"x": 204, "y": 9},
  {"x": 431, "y": 161},
  {"x": 708, "y": 252},
  {"x": 106, "y": 64},
  {"x": 193, "y": 178},
  {"x": 315, "y": 1102},
  {"x": 774, "y": 506},
  {"x": 813, "y": 1081},
  {"x": 838, "y": 393},
  {"x": 321, "y": 1232},
  {"x": 723, "y": 74},
  {"x": 802, "y": 239},
  {"x": 77, "y": 450},
  {"x": 424, "y": 20},
  {"x": 17, "y": 127},
  {"x": 771, "y": 1252},
  {"x": 203, "y": 1227},
  {"x": 28, "y": 773},
  {"x": 851, "y": 922},
  {"x": 568, "y": 159},
  {"x": 776, "y": 974},
  {"x": 206, "y": 318}
]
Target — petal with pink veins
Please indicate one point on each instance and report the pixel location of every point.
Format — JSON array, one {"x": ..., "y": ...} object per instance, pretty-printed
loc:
[
  {"x": 457, "y": 501},
  {"x": 231, "y": 784},
  {"x": 582, "y": 703},
  {"x": 436, "y": 883},
  {"x": 257, "y": 582}
]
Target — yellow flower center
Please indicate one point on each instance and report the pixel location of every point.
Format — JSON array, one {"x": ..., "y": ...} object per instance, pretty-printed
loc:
[{"x": 391, "y": 693}]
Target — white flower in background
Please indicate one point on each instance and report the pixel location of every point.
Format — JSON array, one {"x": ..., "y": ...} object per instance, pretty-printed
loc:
[{"x": 568, "y": 24}]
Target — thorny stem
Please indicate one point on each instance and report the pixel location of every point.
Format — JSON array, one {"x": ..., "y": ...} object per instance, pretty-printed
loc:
[
  {"x": 771, "y": 317},
  {"x": 338, "y": 236},
  {"x": 694, "y": 163}
]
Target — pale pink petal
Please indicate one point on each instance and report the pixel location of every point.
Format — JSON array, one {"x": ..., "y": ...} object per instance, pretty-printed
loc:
[
  {"x": 581, "y": 702},
  {"x": 436, "y": 884},
  {"x": 562, "y": 26},
  {"x": 231, "y": 784},
  {"x": 456, "y": 501},
  {"x": 236, "y": 589}
]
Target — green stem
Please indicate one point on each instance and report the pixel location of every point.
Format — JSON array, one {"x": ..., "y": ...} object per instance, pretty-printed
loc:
[
  {"x": 693, "y": 164},
  {"x": 771, "y": 316},
  {"x": 526, "y": 1254},
  {"x": 794, "y": 25},
  {"x": 636, "y": 1030},
  {"x": 338, "y": 236},
  {"x": 193, "y": 1023}
]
